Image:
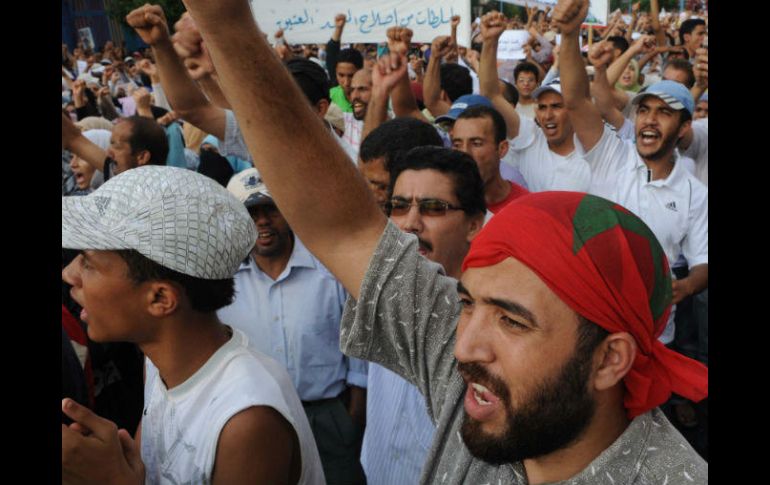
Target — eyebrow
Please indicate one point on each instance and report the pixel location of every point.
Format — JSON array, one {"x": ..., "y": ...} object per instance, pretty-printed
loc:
[{"x": 507, "y": 305}]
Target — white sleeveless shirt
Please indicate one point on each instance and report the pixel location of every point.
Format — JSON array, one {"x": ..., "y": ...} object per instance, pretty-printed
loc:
[{"x": 181, "y": 426}]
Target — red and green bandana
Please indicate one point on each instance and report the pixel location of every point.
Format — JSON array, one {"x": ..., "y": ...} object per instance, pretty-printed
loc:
[{"x": 606, "y": 265}]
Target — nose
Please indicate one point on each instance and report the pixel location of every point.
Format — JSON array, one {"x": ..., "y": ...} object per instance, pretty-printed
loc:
[
  {"x": 412, "y": 221},
  {"x": 71, "y": 273},
  {"x": 472, "y": 344},
  {"x": 74, "y": 161}
]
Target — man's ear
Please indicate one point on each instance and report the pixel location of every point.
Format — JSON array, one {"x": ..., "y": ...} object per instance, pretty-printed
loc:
[
  {"x": 163, "y": 298},
  {"x": 321, "y": 107},
  {"x": 502, "y": 149},
  {"x": 613, "y": 359},
  {"x": 143, "y": 158},
  {"x": 476, "y": 224}
]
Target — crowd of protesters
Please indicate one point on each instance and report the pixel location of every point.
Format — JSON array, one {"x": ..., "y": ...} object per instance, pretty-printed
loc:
[{"x": 387, "y": 263}]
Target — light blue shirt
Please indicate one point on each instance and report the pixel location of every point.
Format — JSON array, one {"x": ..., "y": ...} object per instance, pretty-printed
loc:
[
  {"x": 399, "y": 431},
  {"x": 295, "y": 319}
]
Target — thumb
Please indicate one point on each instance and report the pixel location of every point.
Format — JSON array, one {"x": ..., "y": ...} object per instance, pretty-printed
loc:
[{"x": 130, "y": 449}]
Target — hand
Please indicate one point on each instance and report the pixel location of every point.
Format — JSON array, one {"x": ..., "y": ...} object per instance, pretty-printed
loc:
[
  {"x": 455, "y": 21},
  {"x": 399, "y": 39},
  {"x": 278, "y": 34},
  {"x": 528, "y": 50},
  {"x": 104, "y": 92},
  {"x": 645, "y": 44},
  {"x": 283, "y": 52},
  {"x": 190, "y": 47},
  {"x": 79, "y": 93},
  {"x": 701, "y": 68},
  {"x": 93, "y": 450},
  {"x": 569, "y": 15},
  {"x": 339, "y": 21},
  {"x": 635, "y": 8},
  {"x": 681, "y": 289},
  {"x": 149, "y": 21},
  {"x": 388, "y": 70},
  {"x": 69, "y": 132},
  {"x": 441, "y": 46},
  {"x": 148, "y": 68},
  {"x": 600, "y": 54},
  {"x": 142, "y": 98},
  {"x": 167, "y": 118},
  {"x": 493, "y": 24}
]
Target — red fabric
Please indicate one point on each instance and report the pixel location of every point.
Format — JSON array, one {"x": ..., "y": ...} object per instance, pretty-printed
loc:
[
  {"x": 516, "y": 192},
  {"x": 600, "y": 259}
]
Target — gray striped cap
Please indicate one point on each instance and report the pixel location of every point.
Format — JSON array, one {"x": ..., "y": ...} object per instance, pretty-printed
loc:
[
  {"x": 178, "y": 218},
  {"x": 674, "y": 94}
]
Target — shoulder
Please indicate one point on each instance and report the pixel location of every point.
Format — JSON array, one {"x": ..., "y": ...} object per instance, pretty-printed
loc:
[{"x": 669, "y": 457}]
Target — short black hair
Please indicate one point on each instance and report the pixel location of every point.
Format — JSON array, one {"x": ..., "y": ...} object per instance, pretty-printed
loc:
[
  {"x": 468, "y": 186},
  {"x": 455, "y": 80},
  {"x": 688, "y": 26},
  {"x": 351, "y": 56},
  {"x": 147, "y": 134},
  {"x": 589, "y": 337},
  {"x": 682, "y": 65},
  {"x": 481, "y": 111},
  {"x": 205, "y": 296},
  {"x": 396, "y": 136},
  {"x": 311, "y": 79},
  {"x": 525, "y": 67},
  {"x": 510, "y": 93},
  {"x": 618, "y": 42}
]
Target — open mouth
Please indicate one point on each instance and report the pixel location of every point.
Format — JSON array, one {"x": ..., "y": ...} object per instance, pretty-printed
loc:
[
  {"x": 266, "y": 237},
  {"x": 648, "y": 137}
]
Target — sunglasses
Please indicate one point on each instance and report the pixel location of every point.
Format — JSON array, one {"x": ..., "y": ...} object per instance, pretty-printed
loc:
[{"x": 427, "y": 207}]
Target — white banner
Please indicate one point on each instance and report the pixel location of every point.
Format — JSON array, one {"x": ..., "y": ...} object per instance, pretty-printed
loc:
[
  {"x": 511, "y": 44},
  {"x": 312, "y": 21},
  {"x": 597, "y": 11}
]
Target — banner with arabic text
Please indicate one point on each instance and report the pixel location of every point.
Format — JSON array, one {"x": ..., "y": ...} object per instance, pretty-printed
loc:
[{"x": 312, "y": 21}]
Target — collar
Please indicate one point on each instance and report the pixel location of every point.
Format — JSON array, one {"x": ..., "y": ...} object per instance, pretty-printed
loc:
[
  {"x": 677, "y": 173},
  {"x": 300, "y": 258}
]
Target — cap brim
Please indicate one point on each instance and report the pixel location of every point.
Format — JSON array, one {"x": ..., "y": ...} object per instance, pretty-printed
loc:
[
  {"x": 446, "y": 117},
  {"x": 258, "y": 199},
  {"x": 81, "y": 225},
  {"x": 537, "y": 92},
  {"x": 671, "y": 101}
]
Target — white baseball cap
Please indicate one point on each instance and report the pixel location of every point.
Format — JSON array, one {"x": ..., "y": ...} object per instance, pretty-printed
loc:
[{"x": 177, "y": 218}]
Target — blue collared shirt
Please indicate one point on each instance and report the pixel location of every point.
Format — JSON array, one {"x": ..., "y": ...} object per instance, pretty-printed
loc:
[
  {"x": 399, "y": 431},
  {"x": 295, "y": 319}
]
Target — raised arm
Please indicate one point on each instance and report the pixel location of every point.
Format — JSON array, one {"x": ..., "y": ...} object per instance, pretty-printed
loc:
[
  {"x": 73, "y": 140},
  {"x": 404, "y": 104},
  {"x": 181, "y": 91},
  {"x": 701, "y": 71},
  {"x": 615, "y": 70},
  {"x": 492, "y": 27},
  {"x": 321, "y": 194},
  {"x": 387, "y": 72},
  {"x": 599, "y": 56},
  {"x": 333, "y": 47},
  {"x": 634, "y": 20},
  {"x": 660, "y": 36},
  {"x": 585, "y": 117},
  {"x": 431, "y": 88}
]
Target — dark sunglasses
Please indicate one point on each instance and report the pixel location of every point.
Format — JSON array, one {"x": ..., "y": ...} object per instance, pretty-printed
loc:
[{"x": 427, "y": 207}]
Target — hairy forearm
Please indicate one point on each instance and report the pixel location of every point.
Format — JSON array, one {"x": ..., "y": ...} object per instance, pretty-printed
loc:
[
  {"x": 601, "y": 90},
  {"x": 376, "y": 112},
  {"x": 404, "y": 103},
  {"x": 431, "y": 88},
  {"x": 574, "y": 80},
  {"x": 181, "y": 91},
  {"x": 488, "y": 86},
  {"x": 312, "y": 170},
  {"x": 213, "y": 92}
]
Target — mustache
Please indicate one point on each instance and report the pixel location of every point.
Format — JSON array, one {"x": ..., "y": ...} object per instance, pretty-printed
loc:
[
  {"x": 473, "y": 372},
  {"x": 425, "y": 244}
]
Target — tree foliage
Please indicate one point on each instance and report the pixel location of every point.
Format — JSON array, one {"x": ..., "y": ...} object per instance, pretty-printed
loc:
[{"x": 118, "y": 9}]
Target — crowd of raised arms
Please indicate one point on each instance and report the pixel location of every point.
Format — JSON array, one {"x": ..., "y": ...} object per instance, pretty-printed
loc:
[{"x": 387, "y": 263}]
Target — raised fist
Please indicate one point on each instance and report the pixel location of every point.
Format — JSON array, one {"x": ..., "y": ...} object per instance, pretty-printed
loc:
[
  {"x": 455, "y": 21},
  {"x": 339, "y": 20},
  {"x": 149, "y": 21},
  {"x": 569, "y": 15},
  {"x": 493, "y": 24},
  {"x": 399, "y": 39},
  {"x": 441, "y": 46},
  {"x": 600, "y": 54}
]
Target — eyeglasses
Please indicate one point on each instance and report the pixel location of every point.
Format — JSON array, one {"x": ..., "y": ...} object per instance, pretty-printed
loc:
[{"x": 427, "y": 207}]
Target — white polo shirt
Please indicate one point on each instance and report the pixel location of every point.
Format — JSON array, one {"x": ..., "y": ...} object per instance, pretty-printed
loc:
[
  {"x": 699, "y": 149},
  {"x": 542, "y": 168},
  {"x": 675, "y": 208}
]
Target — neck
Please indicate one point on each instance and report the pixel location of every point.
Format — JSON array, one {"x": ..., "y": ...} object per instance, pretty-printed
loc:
[
  {"x": 660, "y": 168},
  {"x": 184, "y": 344},
  {"x": 606, "y": 426},
  {"x": 496, "y": 190},
  {"x": 274, "y": 265},
  {"x": 565, "y": 147},
  {"x": 526, "y": 100}
]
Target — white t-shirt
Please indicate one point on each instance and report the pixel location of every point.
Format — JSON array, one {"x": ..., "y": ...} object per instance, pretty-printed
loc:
[
  {"x": 699, "y": 149},
  {"x": 353, "y": 130},
  {"x": 542, "y": 168},
  {"x": 674, "y": 208},
  {"x": 526, "y": 110},
  {"x": 181, "y": 426}
]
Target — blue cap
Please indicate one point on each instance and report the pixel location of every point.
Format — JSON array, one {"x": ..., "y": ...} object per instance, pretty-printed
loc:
[
  {"x": 674, "y": 94},
  {"x": 462, "y": 103}
]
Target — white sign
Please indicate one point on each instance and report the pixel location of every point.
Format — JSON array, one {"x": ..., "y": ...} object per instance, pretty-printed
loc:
[
  {"x": 511, "y": 44},
  {"x": 86, "y": 37},
  {"x": 597, "y": 12},
  {"x": 312, "y": 21}
]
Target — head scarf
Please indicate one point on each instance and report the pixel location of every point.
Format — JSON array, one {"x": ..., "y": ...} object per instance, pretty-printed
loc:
[
  {"x": 606, "y": 265},
  {"x": 635, "y": 87}
]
